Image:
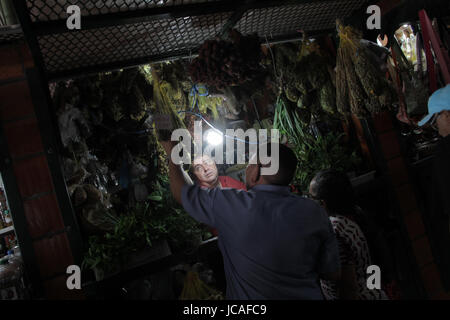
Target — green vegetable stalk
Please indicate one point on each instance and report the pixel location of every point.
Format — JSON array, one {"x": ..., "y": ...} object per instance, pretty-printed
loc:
[{"x": 313, "y": 153}]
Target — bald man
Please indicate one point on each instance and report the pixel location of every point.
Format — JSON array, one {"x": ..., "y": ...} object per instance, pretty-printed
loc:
[{"x": 205, "y": 174}]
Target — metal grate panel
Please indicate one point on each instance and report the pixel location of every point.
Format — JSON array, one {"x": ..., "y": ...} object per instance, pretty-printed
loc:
[
  {"x": 121, "y": 33},
  {"x": 287, "y": 20},
  {"x": 72, "y": 50},
  {"x": 48, "y": 10}
]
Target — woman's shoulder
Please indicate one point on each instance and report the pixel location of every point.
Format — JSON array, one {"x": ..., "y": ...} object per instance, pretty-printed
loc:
[
  {"x": 338, "y": 218},
  {"x": 345, "y": 224}
]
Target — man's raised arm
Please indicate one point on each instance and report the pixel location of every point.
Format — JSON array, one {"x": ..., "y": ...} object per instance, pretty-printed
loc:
[{"x": 176, "y": 177}]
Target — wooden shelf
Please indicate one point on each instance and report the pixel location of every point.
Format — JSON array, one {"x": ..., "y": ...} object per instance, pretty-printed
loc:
[{"x": 93, "y": 287}]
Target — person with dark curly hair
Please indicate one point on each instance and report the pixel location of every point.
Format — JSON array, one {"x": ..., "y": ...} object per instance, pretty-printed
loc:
[{"x": 333, "y": 190}]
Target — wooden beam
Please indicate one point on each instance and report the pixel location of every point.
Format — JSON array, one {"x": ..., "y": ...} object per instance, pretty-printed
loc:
[{"x": 388, "y": 5}]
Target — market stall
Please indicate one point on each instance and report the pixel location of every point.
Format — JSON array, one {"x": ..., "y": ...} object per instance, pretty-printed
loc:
[
  {"x": 294, "y": 66},
  {"x": 115, "y": 169}
]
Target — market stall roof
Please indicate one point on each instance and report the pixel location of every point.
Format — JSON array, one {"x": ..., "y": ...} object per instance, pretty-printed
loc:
[{"x": 121, "y": 33}]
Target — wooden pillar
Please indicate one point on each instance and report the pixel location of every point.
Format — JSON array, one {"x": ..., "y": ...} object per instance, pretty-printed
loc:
[
  {"x": 43, "y": 232},
  {"x": 363, "y": 143}
]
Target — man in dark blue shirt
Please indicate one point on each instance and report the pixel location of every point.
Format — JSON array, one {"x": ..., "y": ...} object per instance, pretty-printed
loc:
[{"x": 275, "y": 245}]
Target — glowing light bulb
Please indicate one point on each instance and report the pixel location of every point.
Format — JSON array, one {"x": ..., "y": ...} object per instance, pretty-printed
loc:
[{"x": 213, "y": 137}]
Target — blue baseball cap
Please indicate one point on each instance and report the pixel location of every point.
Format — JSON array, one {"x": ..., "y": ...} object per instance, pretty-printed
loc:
[{"x": 439, "y": 101}]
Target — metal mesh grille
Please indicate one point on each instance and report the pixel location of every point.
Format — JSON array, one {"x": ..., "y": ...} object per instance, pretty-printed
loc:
[
  {"x": 46, "y": 10},
  {"x": 8, "y": 34},
  {"x": 123, "y": 45},
  {"x": 286, "y": 20},
  {"x": 84, "y": 48}
]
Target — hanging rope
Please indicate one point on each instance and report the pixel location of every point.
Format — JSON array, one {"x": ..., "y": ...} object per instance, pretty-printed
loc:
[{"x": 196, "y": 93}]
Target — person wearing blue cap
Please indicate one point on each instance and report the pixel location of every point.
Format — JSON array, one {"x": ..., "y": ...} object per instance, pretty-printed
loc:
[
  {"x": 439, "y": 111},
  {"x": 439, "y": 210}
]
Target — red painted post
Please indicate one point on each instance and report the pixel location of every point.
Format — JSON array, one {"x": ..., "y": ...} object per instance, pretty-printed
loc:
[{"x": 431, "y": 40}]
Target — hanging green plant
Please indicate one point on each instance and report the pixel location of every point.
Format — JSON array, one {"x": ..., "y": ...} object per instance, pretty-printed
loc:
[{"x": 314, "y": 153}]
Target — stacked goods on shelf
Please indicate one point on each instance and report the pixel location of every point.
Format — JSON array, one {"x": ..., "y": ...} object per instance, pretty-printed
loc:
[{"x": 361, "y": 87}]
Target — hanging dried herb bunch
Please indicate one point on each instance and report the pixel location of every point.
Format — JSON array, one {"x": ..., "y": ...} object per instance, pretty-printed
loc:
[
  {"x": 224, "y": 63},
  {"x": 361, "y": 87}
]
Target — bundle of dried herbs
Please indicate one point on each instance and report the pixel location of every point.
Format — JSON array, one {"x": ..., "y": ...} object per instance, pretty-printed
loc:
[
  {"x": 305, "y": 77},
  {"x": 163, "y": 107},
  {"x": 373, "y": 105},
  {"x": 223, "y": 63},
  {"x": 292, "y": 93},
  {"x": 348, "y": 44},
  {"x": 327, "y": 97},
  {"x": 285, "y": 59},
  {"x": 305, "y": 100},
  {"x": 127, "y": 80},
  {"x": 342, "y": 96},
  {"x": 136, "y": 104},
  {"x": 368, "y": 74},
  {"x": 304, "y": 114},
  {"x": 318, "y": 73},
  {"x": 144, "y": 82},
  {"x": 361, "y": 87}
]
